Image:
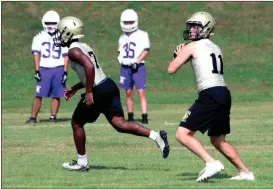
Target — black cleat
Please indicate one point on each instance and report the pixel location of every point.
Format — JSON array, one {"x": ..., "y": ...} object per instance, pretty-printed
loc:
[
  {"x": 52, "y": 119},
  {"x": 130, "y": 116},
  {"x": 31, "y": 120},
  {"x": 144, "y": 119},
  {"x": 163, "y": 144}
]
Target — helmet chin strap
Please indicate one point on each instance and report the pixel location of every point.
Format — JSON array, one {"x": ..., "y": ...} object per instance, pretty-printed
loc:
[{"x": 53, "y": 32}]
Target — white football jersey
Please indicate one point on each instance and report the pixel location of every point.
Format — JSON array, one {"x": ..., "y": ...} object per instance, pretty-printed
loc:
[
  {"x": 50, "y": 55},
  {"x": 207, "y": 65},
  {"x": 131, "y": 46},
  {"x": 79, "y": 69}
]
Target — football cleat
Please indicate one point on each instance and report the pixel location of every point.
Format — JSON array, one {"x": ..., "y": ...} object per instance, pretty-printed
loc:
[
  {"x": 210, "y": 170},
  {"x": 31, "y": 120},
  {"x": 162, "y": 143},
  {"x": 52, "y": 119},
  {"x": 244, "y": 176},
  {"x": 74, "y": 166}
]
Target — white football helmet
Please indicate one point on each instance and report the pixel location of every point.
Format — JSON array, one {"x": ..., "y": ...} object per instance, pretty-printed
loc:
[
  {"x": 129, "y": 15},
  {"x": 206, "y": 23},
  {"x": 69, "y": 28},
  {"x": 50, "y": 21}
]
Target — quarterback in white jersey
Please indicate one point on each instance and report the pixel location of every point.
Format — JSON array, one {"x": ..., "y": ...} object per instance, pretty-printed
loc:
[
  {"x": 51, "y": 64},
  {"x": 211, "y": 110},
  {"x": 133, "y": 48},
  {"x": 101, "y": 94}
]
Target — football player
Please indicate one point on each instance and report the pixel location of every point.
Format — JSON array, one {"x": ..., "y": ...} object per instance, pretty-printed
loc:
[
  {"x": 133, "y": 48},
  {"x": 211, "y": 110},
  {"x": 101, "y": 94},
  {"x": 51, "y": 65}
]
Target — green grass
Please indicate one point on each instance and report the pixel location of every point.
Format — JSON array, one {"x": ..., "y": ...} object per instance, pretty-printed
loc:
[{"x": 32, "y": 156}]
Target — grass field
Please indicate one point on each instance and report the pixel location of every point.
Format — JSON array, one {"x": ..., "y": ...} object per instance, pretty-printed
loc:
[{"x": 32, "y": 155}]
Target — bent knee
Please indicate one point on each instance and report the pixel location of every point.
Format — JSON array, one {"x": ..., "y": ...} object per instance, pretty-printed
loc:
[
  {"x": 75, "y": 125},
  {"x": 217, "y": 141},
  {"x": 119, "y": 124},
  {"x": 182, "y": 134}
]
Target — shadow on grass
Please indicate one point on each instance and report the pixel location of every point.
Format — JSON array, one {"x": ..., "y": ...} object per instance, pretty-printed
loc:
[
  {"x": 58, "y": 120},
  {"x": 101, "y": 167}
]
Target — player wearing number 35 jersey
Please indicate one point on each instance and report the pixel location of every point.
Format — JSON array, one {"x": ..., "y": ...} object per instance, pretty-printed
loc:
[
  {"x": 101, "y": 94},
  {"x": 211, "y": 110}
]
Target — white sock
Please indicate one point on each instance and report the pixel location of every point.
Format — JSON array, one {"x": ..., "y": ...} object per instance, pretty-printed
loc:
[
  {"x": 153, "y": 135},
  {"x": 82, "y": 159}
]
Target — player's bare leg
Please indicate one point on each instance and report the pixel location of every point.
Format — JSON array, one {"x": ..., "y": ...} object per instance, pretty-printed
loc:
[
  {"x": 143, "y": 104},
  {"x": 119, "y": 123},
  {"x": 186, "y": 138},
  {"x": 129, "y": 104},
  {"x": 80, "y": 139},
  {"x": 231, "y": 154},
  {"x": 36, "y": 106},
  {"x": 55, "y": 104}
]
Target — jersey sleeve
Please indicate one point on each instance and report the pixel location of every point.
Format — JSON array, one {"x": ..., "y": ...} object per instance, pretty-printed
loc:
[
  {"x": 146, "y": 42},
  {"x": 64, "y": 51},
  {"x": 36, "y": 45},
  {"x": 119, "y": 55},
  {"x": 119, "y": 44}
]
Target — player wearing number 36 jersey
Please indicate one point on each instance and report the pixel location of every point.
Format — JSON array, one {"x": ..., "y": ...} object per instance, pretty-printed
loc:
[
  {"x": 133, "y": 48},
  {"x": 101, "y": 94},
  {"x": 211, "y": 110}
]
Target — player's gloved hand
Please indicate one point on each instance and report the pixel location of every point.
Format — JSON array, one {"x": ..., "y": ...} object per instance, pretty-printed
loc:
[
  {"x": 37, "y": 76},
  {"x": 64, "y": 78},
  {"x": 134, "y": 67}
]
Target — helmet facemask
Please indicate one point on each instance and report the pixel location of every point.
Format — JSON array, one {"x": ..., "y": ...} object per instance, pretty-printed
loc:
[
  {"x": 57, "y": 39},
  {"x": 129, "y": 20},
  {"x": 194, "y": 31},
  {"x": 129, "y": 26},
  {"x": 50, "y": 27}
]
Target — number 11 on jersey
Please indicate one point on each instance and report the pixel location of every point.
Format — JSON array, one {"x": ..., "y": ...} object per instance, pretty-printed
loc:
[{"x": 214, "y": 64}]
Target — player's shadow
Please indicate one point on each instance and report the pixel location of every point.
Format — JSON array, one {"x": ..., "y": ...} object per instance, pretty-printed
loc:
[
  {"x": 120, "y": 168},
  {"x": 106, "y": 167},
  {"x": 140, "y": 120},
  {"x": 58, "y": 120},
  {"x": 193, "y": 176}
]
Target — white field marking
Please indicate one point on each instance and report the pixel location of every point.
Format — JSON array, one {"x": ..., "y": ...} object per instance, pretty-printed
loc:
[{"x": 39, "y": 125}]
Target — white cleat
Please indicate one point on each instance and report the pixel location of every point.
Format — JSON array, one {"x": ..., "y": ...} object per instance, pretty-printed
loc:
[
  {"x": 74, "y": 166},
  {"x": 210, "y": 170},
  {"x": 162, "y": 143},
  {"x": 244, "y": 176}
]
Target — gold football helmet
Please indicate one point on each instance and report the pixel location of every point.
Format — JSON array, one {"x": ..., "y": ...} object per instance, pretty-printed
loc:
[
  {"x": 206, "y": 25},
  {"x": 69, "y": 28}
]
